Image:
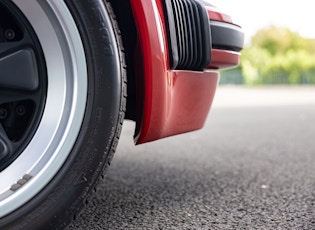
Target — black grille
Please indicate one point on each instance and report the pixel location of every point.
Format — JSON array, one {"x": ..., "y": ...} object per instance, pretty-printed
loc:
[{"x": 189, "y": 35}]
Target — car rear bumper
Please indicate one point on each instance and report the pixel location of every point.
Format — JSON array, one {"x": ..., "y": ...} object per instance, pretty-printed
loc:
[{"x": 176, "y": 93}]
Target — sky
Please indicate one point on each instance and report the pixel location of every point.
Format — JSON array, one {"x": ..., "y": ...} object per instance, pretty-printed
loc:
[{"x": 252, "y": 15}]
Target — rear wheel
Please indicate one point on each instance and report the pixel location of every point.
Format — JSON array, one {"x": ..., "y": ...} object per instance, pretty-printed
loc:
[{"x": 62, "y": 102}]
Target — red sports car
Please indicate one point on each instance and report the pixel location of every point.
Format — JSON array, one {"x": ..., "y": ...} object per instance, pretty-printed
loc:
[{"x": 73, "y": 70}]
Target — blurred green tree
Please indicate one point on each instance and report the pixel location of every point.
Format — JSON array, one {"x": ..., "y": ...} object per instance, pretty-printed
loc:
[{"x": 278, "y": 55}]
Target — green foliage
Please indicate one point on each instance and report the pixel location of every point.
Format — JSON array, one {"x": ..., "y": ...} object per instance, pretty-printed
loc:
[
  {"x": 279, "y": 56},
  {"x": 232, "y": 76}
]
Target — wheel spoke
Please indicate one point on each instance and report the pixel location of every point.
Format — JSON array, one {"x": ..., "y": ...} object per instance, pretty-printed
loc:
[
  {"x": 11, "y": 47},
  {"x": 11, "y": 96},
  {"x": 18, "y": 65},
  {"x": 5, "y": 144}
]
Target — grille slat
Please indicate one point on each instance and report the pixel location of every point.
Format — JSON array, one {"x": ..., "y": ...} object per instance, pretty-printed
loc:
[
  {"x": 198, "y": 38},
  {"x": 194, "y": 37},
  {"x": 178, "y": 27},
  {"x": 188, "y": 34}
]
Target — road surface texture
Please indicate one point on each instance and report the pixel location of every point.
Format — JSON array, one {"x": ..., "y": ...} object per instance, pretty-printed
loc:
[{"x": 251, "y": 167}]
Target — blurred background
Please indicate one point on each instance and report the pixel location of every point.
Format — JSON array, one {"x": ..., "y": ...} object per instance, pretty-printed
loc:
[{"x": 279, "y": 43}]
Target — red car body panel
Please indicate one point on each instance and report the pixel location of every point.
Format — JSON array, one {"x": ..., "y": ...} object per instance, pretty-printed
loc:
[
  {"x": 223, "y": 59},
  {"x": 216, "y": 15},
  {"x": 173, "y": 101}
]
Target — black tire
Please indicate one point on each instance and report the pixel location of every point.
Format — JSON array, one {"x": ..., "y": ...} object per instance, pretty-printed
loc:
[{"x": 77, "y": 171}]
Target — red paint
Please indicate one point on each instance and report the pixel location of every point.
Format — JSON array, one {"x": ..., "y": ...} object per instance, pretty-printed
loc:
[
  {"x": 173, "y": 102},
  {"x": 153, "y": 46},
  {"x": 223, "y": 59},
  {"x": 216, "y": 15}
]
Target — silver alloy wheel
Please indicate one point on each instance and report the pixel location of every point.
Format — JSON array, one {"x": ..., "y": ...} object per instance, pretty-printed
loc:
[{"x": 64, "y": 108}]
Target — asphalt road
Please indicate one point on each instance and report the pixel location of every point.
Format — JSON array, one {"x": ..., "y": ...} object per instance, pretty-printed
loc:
[{"x": 251, "y": 167}]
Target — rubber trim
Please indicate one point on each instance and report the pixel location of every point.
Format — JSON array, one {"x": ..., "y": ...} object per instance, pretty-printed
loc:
[
  {"x": 226, "y": 36},
  {"x": 188, "y": 33}
]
